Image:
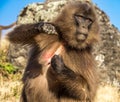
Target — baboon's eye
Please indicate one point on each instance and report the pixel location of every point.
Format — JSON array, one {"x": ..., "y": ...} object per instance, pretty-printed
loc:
[{"x": 82, "y": 20}]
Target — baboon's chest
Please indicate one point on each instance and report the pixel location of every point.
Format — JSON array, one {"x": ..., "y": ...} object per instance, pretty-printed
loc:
[{"x": 48, "y": 53}]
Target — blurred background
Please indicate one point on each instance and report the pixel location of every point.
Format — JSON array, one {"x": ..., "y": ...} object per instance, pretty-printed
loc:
[
  {"x": 9, "y": 9},
  {"x": 107, "y": 54}
]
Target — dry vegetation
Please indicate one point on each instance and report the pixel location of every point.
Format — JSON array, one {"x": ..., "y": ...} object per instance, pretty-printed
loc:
[
  {"x": 4, "y": 45},
  {"x": 10, "y": 78},
  {"x": 107, "y": 93},
  {"x": 10, "y": 87}
]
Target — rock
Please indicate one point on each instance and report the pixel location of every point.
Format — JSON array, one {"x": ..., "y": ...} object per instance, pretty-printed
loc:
[{"x": 18, "y": 55}]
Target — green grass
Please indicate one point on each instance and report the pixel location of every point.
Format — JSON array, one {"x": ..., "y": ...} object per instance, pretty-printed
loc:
[
  {"x": 10, "y": 81},
  {"x": 6, "y": 66}
]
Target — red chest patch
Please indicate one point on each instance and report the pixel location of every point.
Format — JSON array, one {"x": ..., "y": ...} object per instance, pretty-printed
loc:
[{"x": 46, "y": 56}]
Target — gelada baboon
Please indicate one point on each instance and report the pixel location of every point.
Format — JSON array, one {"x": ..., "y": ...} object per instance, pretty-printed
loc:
[{"x": 61, "y": 67}]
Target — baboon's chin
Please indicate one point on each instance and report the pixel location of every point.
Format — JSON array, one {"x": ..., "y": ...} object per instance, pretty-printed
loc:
[{"x": 81, "y": 37}]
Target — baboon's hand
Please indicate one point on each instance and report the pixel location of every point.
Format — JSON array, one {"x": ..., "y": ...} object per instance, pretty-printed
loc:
[
  {"x": 47, "y": 28},
  {"x": 57, "y": 64},
  {"x": 60, "y": 69}
]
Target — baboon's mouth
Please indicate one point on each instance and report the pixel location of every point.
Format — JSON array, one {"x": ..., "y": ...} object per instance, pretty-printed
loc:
[{"x": 81, "y": 37}]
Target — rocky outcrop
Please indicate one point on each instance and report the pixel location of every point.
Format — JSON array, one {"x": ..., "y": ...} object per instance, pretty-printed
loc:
[{"x": 107, "y": 52}]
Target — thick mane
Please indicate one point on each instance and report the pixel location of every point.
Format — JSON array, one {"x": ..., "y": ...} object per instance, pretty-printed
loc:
[{"x": 61, "y": 67}]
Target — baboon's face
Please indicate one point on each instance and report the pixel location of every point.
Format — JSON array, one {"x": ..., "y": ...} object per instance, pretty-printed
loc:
[{"x": 81, "y": 28}]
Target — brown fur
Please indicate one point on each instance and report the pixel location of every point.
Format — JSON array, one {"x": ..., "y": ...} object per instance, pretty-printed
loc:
[{"x": 41, "y": 82}]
